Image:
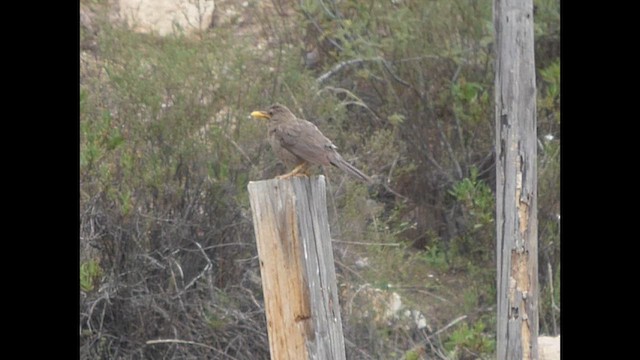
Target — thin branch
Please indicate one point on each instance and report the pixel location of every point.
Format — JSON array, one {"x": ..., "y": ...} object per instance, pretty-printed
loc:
[
  {"x": 356, "y": 100},
  {"x": 435, "y": 350},
  {"x": 454, "y": 78},
  {"x": 318, "y": 27},
  {"x": 354, "y": 346},
  {"x": 364, "y": 243},
  {"x": 331, "y": 15},
  {"x": 335, "y": 226},
  {"x": 415, "y": 58},
  {"x": 425, "y": 151},
  {"x": 186, "y": 342},
  {"x": 253, "y": 299},
  {"x": 419, "y": 289},
  {"x": 89, "y": 314},
  {"x": 392, "y": 168},
  {"x": 483, "y": 162},
  {"x": 349, "y": 269},
  {"x": 394, "y": 192},
  {"x": 388, "y": 68},
  {"x": 553, "y": 302},
  {"x": 204, "y": 270},
  {"x": 276, "y": 78},
  {"x": 208, "y": 269},
  {"x": 457, "y": 119},
  {"x": 448, "y": 147},
  {"x": 294, "y": 98},
  {"x": 223, "y": 245},
  {"x": 455, "y": 321},
  {"x": 338, "y": 67},
  {"x": 246, "y": 157}
]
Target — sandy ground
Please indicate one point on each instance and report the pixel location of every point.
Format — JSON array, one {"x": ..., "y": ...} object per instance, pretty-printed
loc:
[
  {"x": 549, "y": 347},
  {"x": 160, "y": 16}
]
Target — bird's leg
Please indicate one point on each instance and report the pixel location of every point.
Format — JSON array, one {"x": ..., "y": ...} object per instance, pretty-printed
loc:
[
  {"x": 299, "y": 170},
  {"x": 305, "y": 169}
]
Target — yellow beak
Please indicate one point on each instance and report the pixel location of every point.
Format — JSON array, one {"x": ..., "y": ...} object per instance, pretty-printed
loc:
[{"x": 260, "y": 115}]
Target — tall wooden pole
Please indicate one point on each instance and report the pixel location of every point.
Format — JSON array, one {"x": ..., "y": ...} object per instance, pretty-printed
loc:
[
  {"x": 516, "y": 182},
  {"x": 296, "y": 263}
]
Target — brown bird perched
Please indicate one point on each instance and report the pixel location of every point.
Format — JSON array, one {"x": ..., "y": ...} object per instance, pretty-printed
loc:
[{"x": 298, "y": 143}]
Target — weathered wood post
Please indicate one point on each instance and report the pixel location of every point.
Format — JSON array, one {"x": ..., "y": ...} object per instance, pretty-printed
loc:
[
  {"x": 296, "y": 263},
  {"x": 516, "y": 181}
]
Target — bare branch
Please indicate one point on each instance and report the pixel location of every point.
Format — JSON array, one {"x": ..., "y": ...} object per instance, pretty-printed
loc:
[
  {"x": 344, "y": 266},
  {"x": 553, "y": 302},
  {"x": 416, "y": 58},
  {"x": 356, "y": 100},
  {"x": 388, "y": 68},
  {"x": 449, "y": 148},
  {"x": 202, "y": 273},
  {"x": 393, "y": 167},
  {"x": 419, "y": 289},
  {"x": 244, "y": 155},
  {"x": 457, "y": 120},
  {"x": 435, "y": 350},
  {"x": 364, "y": 243},
  {"x": 318, "y": 27},
  {"x": 429, "y": 157},
  {"x": 354, "y": 346},
  {"x": 331, "y": 15},
  {"x": 338, "y": 67},
  {"x": 186, "y": 342},
  {"x": 455, "y": 321},
  {"x": 294, "y": 98}
]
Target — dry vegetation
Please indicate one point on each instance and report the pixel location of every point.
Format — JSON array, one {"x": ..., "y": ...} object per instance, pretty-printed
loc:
[{"x": 405, "y": 90}]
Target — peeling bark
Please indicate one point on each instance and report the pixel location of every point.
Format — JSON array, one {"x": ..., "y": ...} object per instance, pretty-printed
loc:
[{"x": 516, "y": 181}]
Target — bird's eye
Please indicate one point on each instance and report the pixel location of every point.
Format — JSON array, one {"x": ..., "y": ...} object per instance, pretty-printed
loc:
[{"x": 271, "y": 113}]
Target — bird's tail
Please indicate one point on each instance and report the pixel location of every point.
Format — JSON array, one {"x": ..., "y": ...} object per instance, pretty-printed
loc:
[{"x": 343, "y": 165}]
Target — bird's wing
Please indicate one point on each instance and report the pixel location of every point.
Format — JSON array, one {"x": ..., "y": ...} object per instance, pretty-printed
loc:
[{"x": 304, "y": 139}]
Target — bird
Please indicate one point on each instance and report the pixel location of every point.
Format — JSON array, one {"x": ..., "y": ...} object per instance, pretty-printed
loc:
[{"x": 299, "y": 143}]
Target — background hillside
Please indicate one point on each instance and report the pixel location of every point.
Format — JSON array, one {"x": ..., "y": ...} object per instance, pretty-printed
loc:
[{"x": 403, "y": 87}]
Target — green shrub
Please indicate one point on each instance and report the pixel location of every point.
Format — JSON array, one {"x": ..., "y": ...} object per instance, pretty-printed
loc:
[
  {"x": 477, "y": 205},
  {"x": 90, "y": 275},
  {"x": 470, "y": 342}
]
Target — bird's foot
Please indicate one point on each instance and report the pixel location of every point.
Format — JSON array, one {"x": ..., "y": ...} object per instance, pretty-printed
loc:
[
  {"x": 285, "y": 176},
  {"x": 300, "y": 170},
  {"x": 291, "y": 174}
]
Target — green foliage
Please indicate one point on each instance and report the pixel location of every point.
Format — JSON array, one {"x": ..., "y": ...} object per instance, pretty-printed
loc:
[
  {"x": 157, "y": 119},
  {"x": 549, "y": 300},
  {"x": 551, "y": 75},
  {"x": 411, "y": 355},
  {"x": 216, "y": 314},
  {"x": 161, "y": 122},
  {"x": 549, "y": 101},
  {"x": 471, "y": 101},
  {"x": 90, "y": 275},
  {"x": 549, "y": 196},
  {"x": 470, "y": 342},
  {"x": 396, "y": 119},
  {"x": 547, "y": 17},
  {"x": 476, "y": 198},
  {"x": 477, "y": 205},
  {"x": 549, "y": 235},
  {"x": 436, "y": 257}
]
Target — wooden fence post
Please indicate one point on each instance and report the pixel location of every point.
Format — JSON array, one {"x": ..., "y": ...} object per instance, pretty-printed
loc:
[
  {"x": 296, "y": 263},
  {"x": 516, "y": 181}
]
